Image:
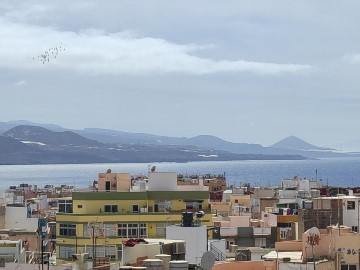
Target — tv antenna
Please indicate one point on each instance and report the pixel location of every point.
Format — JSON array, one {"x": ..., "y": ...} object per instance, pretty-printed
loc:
[
  {"x": 207, "y": 260},
  {"x": 95, "y": 229}
]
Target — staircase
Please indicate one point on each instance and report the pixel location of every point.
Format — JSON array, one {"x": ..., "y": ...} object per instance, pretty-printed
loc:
[{"x": 219, "y": 255}]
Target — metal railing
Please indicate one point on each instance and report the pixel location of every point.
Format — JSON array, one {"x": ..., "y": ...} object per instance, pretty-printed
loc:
[{"x": 219, "y": 255}]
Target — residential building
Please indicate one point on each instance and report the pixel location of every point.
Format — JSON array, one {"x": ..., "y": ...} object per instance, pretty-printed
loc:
[{"x": 122, "y": 208}]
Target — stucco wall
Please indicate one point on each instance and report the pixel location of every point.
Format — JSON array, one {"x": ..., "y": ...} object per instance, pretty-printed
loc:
[{"x": 253, "y": 265}]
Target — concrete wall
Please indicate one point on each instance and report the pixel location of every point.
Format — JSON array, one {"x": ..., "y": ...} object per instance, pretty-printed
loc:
[
  {"x": 351, "y": 216},
  {"x": 289, "y": 246},
  {"x": 267, "y": 202},
  {"x": 130, "y": 254},
  {"x": 162, "y": 181},
  {"x": 2, "y": 216},
  {"x": 239, "y": 221},
  {"x": 195, "y": 239},
  {"x": 118, "y": 181},
  {"x": 269, "y": 219},
  {"x": 253, "y": 265},
  {"x": 306, "y": 266},
  {"x": 243, "y": 200},
  {"x": 16, "y": 217},
  {"x": 26, "y": 266}
]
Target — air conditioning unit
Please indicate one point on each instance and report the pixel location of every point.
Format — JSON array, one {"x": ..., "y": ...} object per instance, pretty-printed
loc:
[{"x": 177, "y": 248}]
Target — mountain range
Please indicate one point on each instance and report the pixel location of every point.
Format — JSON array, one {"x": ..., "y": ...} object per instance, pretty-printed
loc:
[{"x": 23, "y": 142}]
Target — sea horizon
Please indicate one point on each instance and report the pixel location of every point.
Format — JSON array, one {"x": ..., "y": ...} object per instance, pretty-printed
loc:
[{"x": 335, "y": 171}]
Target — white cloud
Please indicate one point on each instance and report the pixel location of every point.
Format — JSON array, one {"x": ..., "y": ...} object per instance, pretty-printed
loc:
[
  {"x": 95, "y": 51},
  {"x": 21, "y": 83},
  {"x": 351, "y": 58}
]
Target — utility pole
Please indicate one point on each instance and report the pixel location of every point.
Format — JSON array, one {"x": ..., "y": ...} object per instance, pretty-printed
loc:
[{"x": 93, "y": 245}]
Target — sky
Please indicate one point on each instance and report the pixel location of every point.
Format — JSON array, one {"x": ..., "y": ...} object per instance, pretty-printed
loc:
[{"x": 244, "y": 71}]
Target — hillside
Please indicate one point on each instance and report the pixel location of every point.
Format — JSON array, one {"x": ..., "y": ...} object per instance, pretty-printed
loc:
[
  {"x": 293, "y": 142},
  {"x": 38, "y": 145}
]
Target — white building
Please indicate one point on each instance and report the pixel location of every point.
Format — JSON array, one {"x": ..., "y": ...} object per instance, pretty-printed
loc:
[
  {"x": 12, "y": 251},
  {"x": 195, "y": 239},
  {"x": 351, "y": 212}
]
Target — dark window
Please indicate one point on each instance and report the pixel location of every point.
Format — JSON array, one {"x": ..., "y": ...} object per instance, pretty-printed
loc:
[
  {"x": 135, "y": 208},
  {"x": 351, "y": 205},
  {"x": 79, "y": 206},
  {"x": 110, "y": 208},
  {"x": 67, "y": 229},
  {"x": 348, "y": 267},
  {"x": 107, "y": 186},
  {"x": 65, "y": 206}
]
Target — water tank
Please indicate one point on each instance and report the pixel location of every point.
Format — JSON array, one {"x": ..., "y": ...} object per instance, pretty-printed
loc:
[
  {"x": 154, "y": 264},
  {"x": 187, "y": 219},
  {"x": 178, "y": 265},
  {"x": 315, "y": 193},
  {"x": 301, "y": 194},
  {"x": 166, "y": 260},
  {"x": 232, "y": 248}
]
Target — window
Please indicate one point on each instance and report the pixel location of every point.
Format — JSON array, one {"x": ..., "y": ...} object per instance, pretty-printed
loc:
[
  {"x": 160, "y": 229},
  {"x": 66, "y": 252},
  {"x": 132, "y": 230},
  {"x": 142, "y": 232},
  {"x": 102, "y": 251},
  {"x": 65, "y": 206},
  {"x": 162, "y": 205},
  {"x": 110, "y": 208},
  {"x": 351, "y": 205},
  {"x": 236, "y": 201},
  {"x": 79, "y": 206},
  {"x": 193, "y": 204},
  {"x": 67, "y": 229},
  {"x": 110, "y": 230},
  {"x": 348, "y": 267},
  {"x": 122, "y": 230},
  {"x": 135, "y": 208},
  {"x": 354, "y": 228}
]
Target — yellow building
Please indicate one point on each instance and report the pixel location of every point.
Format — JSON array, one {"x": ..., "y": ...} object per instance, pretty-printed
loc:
[{"x": 97, "y": 222}]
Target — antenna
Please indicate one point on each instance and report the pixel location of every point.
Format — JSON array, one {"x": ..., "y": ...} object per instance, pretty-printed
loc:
[{"x": 207, "y": 260}]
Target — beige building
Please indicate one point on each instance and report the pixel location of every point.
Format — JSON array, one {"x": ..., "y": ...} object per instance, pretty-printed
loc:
[{"x": 337, "y": 248}]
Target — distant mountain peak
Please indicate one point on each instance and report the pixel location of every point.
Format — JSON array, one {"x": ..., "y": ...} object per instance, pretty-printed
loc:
[{"x": 293, "y": 142}]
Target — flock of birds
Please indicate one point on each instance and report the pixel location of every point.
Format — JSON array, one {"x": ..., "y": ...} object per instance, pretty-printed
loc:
[{"x": 50, "y": 53}]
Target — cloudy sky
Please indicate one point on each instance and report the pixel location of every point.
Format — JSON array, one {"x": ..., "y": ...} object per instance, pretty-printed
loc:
[{"x": 244, "y": 71}]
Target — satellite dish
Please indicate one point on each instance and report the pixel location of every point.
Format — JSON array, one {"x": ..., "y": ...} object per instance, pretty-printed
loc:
[
  {"x": 313, "y": 236},
  {"x": 153, "y": 168},
  {"x": 200, "y": 214},
  {"x": 313, "y": 231},
  {"x": 207, "y": 260},
  {"x": 108, "y": 171}
]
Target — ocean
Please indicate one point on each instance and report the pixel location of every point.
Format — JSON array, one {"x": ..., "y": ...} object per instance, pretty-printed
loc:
[{"x": 340, "y": 171}]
